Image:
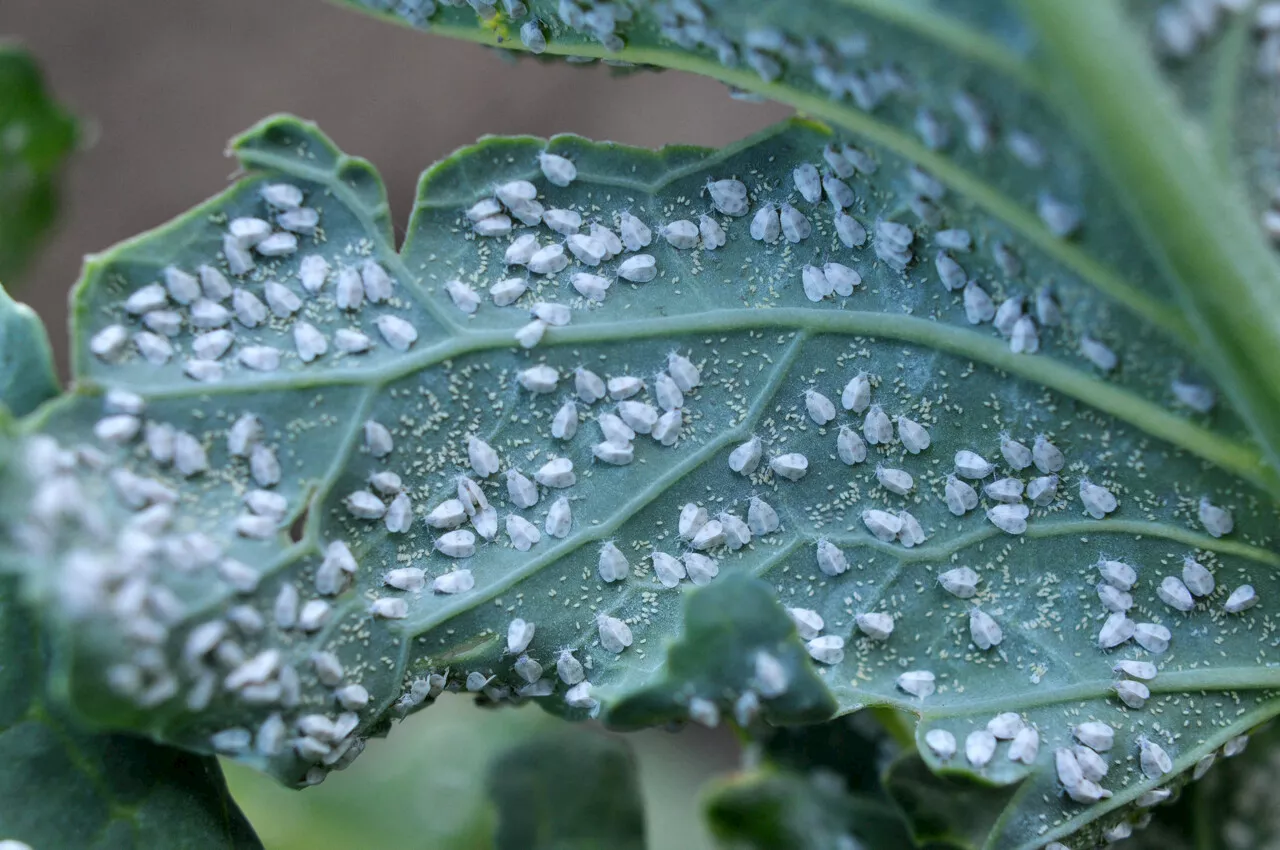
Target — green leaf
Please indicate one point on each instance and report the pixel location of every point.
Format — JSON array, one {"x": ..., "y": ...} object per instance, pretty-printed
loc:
[
  {"x": 814, "y": 788},
  {"x": 740, "y": 315},
  {"x": 36, "y": 136},
  {"x": 567, "y": 792},
  {"x": 959, "y": 86},
  {"x": 64, "y": 787},
  {"x": 775, "y": 810},
  {"x": 1231, "y": 806},
  {"x": 444, "y": 758},
  {"x": 27, "y": 377}
]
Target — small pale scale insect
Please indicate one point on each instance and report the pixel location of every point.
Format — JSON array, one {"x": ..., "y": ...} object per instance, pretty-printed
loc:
[
  {"x": 979, "y": 747},
  {"x": 984, "y": 630},
  {"x": 1098, "y": 501},
  {"x": 1114, "y": 599},
  {"x": 850, "y": 446},
  {"x": 728, "y": 196},
  {"x": 792, "y": 466},
  {"x": 1008, "y": 490},
  {"x": 668, "y": 570},
  {"x": 808, "y": 182},
  {"x": 483, "y": 459},
  {"x": 941, "y": 742},
  {"x": 842, "y": 279},
  {"x": 883, "y": 525},
  {"x": 913, "y": 435},
  {"x": 612, "y": 565},
  {"x": 531, "y": 333},
  {"x": 559, "y": 170},
  {"x": 1144, "y": 670},
  {"x": 586, "y": 248},
  {"x": 826, "y": 649},
  {"x": 522, "y": 533},
  {"x": 978, "y": 306},
  {"x": 588, "y": 386},
  {"x": 1216, "y": 521},
  {"x": 917, "y": 683},
  {"x": 635, "y": 233},
  {"x": 564, "y": 425},
  {"x": 1152, "y": 637},
  {"x": 821, "y": 409},
  {"x": 831, "y": 561},
  {"x": 713, "y": 235},
  {"x": 640, "y": 268},
  {"x": 875, "y": 625},
  {"x": 795, "y": 227},
  {"x": 700, "y": 568},
  {"x": 1154, "y": 761},
  {"x": 458, "y": 581},
  {"x": 681, "y": 234},
  {"x": 897, "y": 481},
  {"x": 815, "y": 283},
  {"x": 765, "y": 225},
  {"x": 857, "y": 393},
  {"x": 615, "y": 635},
  {"x": 1116, "y": 629},
  {"x": 1011, "y": 519},
  {"x": 1175, "y": 594},
  {"x": 1197, "y": 578},
  {"x": 1095, "y": 735},
  {"x": 877, "y": 428},
  {"x": 849, "y": 230},
  {"x": 959, "y": 496},
  {"x": 559, "y": 519},
  {"x": 1241, "y": 599},
  {"x": 809, "y": 624}
]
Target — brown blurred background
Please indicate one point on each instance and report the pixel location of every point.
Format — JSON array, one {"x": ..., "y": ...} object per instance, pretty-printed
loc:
[{"x": 163, "y": 84}]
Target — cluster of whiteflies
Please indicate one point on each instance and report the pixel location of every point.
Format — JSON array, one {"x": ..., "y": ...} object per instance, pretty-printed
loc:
[
  {"x": 126, "y": 558},
  {"x": 203, "y": 316},
  {"x": 625, "y": 235}
]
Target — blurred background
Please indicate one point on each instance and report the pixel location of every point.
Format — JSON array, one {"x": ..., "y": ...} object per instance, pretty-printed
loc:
[{"x": 160, "y": 86}]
